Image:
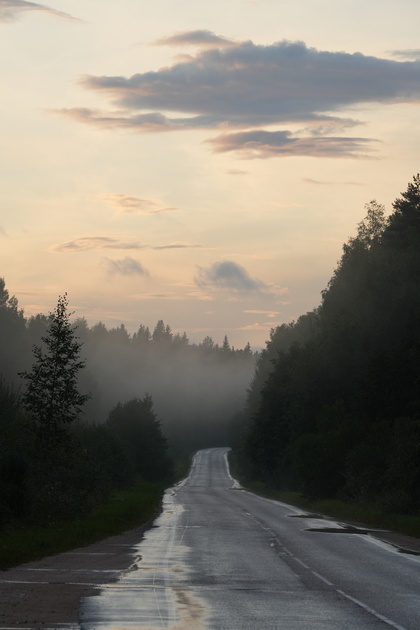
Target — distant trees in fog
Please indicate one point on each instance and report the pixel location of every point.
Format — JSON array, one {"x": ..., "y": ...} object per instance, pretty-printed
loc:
[
  {"x": 136, "y": 425},
  {"x": 53, "y": 465}
]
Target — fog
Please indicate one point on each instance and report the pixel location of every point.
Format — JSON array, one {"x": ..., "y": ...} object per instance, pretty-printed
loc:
[{"x": 196, "y": 388}]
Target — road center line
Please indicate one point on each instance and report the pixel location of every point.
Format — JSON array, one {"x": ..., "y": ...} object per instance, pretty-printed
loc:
[{"x": 320, "y": 577}]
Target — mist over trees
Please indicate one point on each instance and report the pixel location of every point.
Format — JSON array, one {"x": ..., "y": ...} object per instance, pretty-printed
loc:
[
  {"x": 334, "y": 407},
  {"x": 85, "y": 409},
  {"x": 196, "y": 388}
]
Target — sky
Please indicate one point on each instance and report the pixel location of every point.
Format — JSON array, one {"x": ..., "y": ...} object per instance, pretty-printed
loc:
[{"x": 201, "y": 163}]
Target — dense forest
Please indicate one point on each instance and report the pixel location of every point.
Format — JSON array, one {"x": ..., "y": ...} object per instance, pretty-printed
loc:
[
  {"x": 84, "y": 410},
  {"x": 334, "y": 406}
]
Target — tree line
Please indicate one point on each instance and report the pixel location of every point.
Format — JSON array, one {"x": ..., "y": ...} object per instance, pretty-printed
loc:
[
  {"x": 334, "y": 406},
  {"x": 72, "y": 430}
]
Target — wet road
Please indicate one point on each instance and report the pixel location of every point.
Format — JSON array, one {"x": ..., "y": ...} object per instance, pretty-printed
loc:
[{"x": 222, "y": 558}]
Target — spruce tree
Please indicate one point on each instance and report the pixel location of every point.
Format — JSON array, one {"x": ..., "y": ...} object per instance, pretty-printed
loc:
[{"x": 51, "y": 396}]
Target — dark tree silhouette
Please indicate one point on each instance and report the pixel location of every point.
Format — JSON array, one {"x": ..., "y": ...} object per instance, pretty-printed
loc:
[
  {"x": 51, "y": 396},
  {"x": 334, "y": 408},
  {"x": 136, "y": 425}
]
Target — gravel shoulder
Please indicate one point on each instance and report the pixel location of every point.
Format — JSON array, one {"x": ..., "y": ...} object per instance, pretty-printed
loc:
[{"x": 47, "y": 593}]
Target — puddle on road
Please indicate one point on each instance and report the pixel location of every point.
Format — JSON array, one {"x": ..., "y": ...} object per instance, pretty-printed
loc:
[
  {"x": 336, "y": 529},
  {"x": 339, "y": 530},
  {"x": 409, "y": 552},
  {"x": 154, "y": 593},
  {"x": 315, "y": 516}
]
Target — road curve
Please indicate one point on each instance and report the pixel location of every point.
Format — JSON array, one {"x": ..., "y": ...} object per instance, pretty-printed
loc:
[{"x": 219, "y": 557}]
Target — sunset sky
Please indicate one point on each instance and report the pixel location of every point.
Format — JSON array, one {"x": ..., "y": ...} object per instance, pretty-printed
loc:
[{"x": 198, "y": 162}]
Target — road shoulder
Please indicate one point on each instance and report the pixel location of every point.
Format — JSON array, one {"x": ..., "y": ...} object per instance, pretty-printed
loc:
[{"x": 47, "y": 593}]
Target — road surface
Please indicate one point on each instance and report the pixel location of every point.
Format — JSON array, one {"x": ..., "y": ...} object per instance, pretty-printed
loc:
[{"x": 219, "y": 557}]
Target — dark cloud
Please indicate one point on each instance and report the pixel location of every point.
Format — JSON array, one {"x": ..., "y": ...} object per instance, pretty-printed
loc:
[
  {"x": 245, "y": 87},
  {"x": 201, "y": 38},
  {"x": 265, "y": 144},
  {"x": 264, "y": 84},
  {"x": 228, "y": 275},
  {"x": 131, "y": 204},
  {"x": 85, "y": 243},
  {"x": 10, "y": 10},
  {"x": 126, "y": 267}
]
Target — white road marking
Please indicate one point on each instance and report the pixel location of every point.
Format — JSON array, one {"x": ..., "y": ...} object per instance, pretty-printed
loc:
[
  {"x": 371, "y": 611},
  {"x": 321, "y": 577}
]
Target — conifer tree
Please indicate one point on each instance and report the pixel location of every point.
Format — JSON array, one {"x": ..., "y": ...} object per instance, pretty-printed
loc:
[{"x": 51, "y": 396}]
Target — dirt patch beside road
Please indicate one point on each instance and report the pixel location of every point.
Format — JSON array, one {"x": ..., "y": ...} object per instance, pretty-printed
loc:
[{"x": 47, "y": 593}]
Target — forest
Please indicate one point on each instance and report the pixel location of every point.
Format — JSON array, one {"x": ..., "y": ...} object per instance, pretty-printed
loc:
[
  {"x": 334, "y": 407},
  {"x": 329, "y": 408},
  {"x": 85, "y": 410}
]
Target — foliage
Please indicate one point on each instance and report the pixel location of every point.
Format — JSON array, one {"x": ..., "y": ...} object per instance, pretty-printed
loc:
[
  {"x": 136, "y": 425},
  {"x": 123, "y": 510},
  {"x": 52, "y": 396},
  {"x": 55, "y": 464},
  {"x": 12, "y": 334},
  {"x": 334, "y": 408}
]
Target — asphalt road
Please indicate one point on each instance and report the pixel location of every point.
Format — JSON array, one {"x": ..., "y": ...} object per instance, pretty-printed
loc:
[{"x": 222, "y": 558}]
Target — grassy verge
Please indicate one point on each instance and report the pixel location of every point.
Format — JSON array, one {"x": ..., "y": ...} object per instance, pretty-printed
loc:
[
  {"x": 349, "y": 512},
  {"x": 125, "y": 510}
]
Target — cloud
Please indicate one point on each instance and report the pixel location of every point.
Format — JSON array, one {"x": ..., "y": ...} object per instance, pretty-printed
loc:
[
  {"x": 3, "y": 231},
  {"x": 153, "y": 122},
  {"x": 10, "y": 10},
  {"x": 143, "y": 123},
  {"x": 410, "y": 53},
  {"x": 253, "y": 84},
  {"x": 309, "y": 180},
  {"x": 236, "y": 171},
  {"x": 126, "y": 267},
  {"x": 259, "y": 312},
  {"x": 94, "y": 242},
  {"x": 131, "y": 204},
  {"x": 258, "y": 143},
  {"x": 85, "y": 243},
  {"x": 245, "y": 88},
  {"x": 178, "y": 246},
  {"x": 228, "y": 275},
  {"x": 201, "y": 38}
]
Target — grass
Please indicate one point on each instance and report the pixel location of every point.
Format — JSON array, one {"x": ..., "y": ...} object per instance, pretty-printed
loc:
[
  {"x": 350, "y": 512},
  {"x": 125, "y": 510}
]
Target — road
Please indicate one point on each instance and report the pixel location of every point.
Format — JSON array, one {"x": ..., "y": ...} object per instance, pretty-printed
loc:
[{"x": 219, "y": 558}]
